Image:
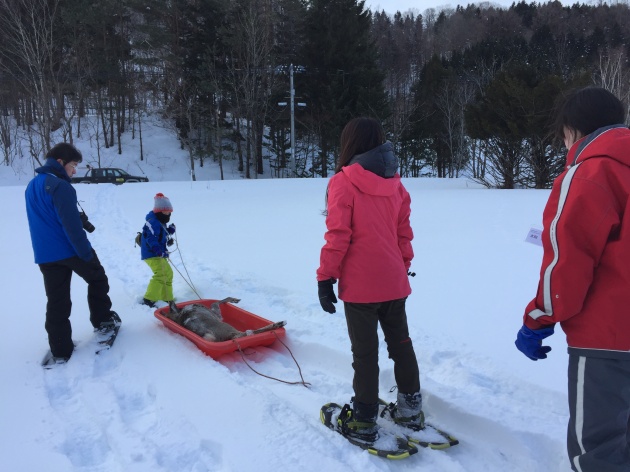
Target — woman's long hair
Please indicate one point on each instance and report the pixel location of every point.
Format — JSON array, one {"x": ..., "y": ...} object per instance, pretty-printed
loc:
[{"x": 358, "y": 136}]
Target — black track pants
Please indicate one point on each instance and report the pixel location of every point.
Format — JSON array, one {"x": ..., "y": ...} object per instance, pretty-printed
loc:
[
  {"x": 363, "y": 320},
  {"x": 57, "y": 278},
  {"x": 599, "y": 405}
]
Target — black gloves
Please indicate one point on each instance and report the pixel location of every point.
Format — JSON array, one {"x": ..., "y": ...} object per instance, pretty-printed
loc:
[{"x": 327, "y": 295}]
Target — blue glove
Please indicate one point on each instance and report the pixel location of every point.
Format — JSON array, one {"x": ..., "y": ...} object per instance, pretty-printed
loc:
[
  {"x": 529, "y": 342},
  {"x": 158, "y": 252},
  {"x": 171, "y": 228}
]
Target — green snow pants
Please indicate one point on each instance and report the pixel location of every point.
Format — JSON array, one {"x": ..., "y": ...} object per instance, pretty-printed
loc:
[{"x": 161, "y": 284}]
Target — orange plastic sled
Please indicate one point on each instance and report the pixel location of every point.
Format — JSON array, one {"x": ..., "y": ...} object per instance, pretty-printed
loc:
[{"x": 233, "y": 315}]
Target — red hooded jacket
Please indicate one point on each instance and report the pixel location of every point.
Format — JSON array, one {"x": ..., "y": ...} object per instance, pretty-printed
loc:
[
  {"x": 368, "y": 241},
  {"x": 585, "y": 274}
]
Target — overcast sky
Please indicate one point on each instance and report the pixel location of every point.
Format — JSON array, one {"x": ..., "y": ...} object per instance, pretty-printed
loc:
[{"x": 391, "y": 6}]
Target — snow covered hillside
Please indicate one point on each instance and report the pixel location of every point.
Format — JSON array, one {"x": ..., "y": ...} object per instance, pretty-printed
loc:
[
  {"x": 163, "y": 158},
  {"x": 155, "y": 403}
]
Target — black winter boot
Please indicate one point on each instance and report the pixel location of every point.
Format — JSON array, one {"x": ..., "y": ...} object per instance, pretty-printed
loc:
[
  {"x": 147, "y": 302},
  {"x": 108, "y": 326},
  {"x": 359, "y": 423},
  {"x": 408, "y": 411}
]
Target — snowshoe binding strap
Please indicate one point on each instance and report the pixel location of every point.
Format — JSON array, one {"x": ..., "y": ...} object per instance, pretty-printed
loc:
[
  {"x": 409, "y": 422},
  {"x": 361, "y": 431}
]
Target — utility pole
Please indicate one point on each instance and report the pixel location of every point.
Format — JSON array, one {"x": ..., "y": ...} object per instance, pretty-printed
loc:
[
  {"x": 292, "y": 93},
  {"x": 299, "y": 104}
]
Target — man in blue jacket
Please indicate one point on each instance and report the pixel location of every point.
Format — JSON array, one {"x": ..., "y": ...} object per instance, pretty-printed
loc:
[{"x": 61, "y": 247}]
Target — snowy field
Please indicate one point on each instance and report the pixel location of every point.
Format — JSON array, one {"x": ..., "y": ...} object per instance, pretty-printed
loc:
[{"x": 155, "y": 403}]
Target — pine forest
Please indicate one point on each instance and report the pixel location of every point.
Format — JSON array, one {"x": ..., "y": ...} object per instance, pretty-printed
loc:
[{"x": 466, "y": 91}]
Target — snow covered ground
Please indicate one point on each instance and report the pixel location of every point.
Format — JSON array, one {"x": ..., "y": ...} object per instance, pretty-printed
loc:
[{"x": 155, "y": 403}]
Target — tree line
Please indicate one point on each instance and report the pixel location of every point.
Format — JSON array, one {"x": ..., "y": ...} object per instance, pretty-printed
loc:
[{"x": 464, "y": 91}]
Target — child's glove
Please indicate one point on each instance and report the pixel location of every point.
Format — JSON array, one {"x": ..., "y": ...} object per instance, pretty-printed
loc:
[
  {"x": 171, "y": 228},
  {"x": 529, "y": 342},
  {"x": 159, "y": 253}
]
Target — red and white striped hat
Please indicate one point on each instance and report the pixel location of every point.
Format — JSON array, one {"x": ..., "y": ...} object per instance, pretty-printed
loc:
[{"x": 162, "y": 203}]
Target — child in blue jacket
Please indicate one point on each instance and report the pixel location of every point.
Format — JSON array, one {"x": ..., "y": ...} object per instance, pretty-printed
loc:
[{"x": 155, "y": 237}]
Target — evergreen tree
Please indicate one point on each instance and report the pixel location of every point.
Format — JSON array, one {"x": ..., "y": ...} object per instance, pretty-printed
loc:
[
  {"x": 427, "y": 127},
  {"x": 342, "y": 77},
  {"x": 512, "y": 118}
]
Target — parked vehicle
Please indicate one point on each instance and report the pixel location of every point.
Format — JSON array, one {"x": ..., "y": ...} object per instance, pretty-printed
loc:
[{"x": 107, "y": 175}]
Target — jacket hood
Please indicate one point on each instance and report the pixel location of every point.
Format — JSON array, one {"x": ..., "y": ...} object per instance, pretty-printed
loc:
[
  {"x": 609, "y": 141},
  {"x": 380, "y": 160},
  {"x": 51, "y": 166},
  {"x": 370, "y": 183}
]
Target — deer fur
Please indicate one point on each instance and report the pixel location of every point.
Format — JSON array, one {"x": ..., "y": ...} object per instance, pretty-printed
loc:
[{"x": 208, "y": 322}]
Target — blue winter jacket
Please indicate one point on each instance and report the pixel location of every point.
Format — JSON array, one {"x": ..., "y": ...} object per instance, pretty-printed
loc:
[
  {"x": 154, "y": 238},
  {"x": 53, "y": 216}
]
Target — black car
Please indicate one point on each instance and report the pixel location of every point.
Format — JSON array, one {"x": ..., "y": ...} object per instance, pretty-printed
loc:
[{"x": 107, "y": 175}]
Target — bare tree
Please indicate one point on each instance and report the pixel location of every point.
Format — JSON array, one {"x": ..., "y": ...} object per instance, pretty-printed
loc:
[
  {"x": 451, "y": 102},
  {"x": 8, "y": 138},
  {"x": 614, "y": 75},
  {"x": 251, "y": 72},
  {"x": 31, "y": 58}
]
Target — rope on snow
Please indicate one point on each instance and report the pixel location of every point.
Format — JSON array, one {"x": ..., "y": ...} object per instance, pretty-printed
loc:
[
  {"x": 189, "y": 280},
  {"x": 302, "y": 382}
]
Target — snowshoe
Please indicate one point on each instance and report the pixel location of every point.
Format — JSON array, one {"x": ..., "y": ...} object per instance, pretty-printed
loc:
[
  {"x": 379, "y": 442},
  {"x": 427, "y": 436}
]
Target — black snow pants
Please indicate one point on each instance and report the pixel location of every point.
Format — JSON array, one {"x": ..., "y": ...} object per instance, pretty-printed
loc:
[
  {"x": 57, "y": 278},
  {"x": 598, "y": 434},
  {"x": 363, "y": 320}
]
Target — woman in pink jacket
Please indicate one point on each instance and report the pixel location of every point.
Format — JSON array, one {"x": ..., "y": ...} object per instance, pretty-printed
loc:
[{"x": 368, "y": 250}]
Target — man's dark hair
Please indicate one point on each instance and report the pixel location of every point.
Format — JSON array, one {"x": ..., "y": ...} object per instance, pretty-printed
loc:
[
  {"x": 66, "y": 152},
  {"x": 586, "y": 109}
]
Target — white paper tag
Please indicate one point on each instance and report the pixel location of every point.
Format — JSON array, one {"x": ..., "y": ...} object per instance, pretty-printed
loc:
[{"x": 534, "y": 236}]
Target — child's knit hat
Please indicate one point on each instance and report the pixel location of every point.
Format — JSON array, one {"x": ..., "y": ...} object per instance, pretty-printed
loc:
[{"x": 162, "y": 203}]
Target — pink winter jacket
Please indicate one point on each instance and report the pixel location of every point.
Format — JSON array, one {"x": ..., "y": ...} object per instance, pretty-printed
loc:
[{"x": 368, "y": 238}]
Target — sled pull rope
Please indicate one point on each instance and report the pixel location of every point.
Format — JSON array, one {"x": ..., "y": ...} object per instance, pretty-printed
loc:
[
  {"x": 306, "y": 384},
  {"x": 189, "y": 280}
]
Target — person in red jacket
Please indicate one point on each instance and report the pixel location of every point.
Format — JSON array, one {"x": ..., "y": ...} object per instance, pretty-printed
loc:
[
  {"x": 368, "y": 250},
  {"x": 585, "y": 279}
]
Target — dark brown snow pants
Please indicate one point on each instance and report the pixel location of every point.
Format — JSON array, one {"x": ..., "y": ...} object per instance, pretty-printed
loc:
[{"x": 363, "y": 320}]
